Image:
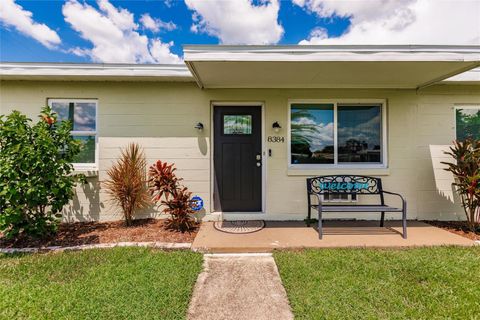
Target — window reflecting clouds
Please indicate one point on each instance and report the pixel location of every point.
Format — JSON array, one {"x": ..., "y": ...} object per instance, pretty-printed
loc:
[
  {"x": 312, "y": 133},
  {"x": 84, "y": 117},
  {"x": 359, "y": 134},
  {"x": 330, "y": 133},
  {"x": 82, "y": 114}
]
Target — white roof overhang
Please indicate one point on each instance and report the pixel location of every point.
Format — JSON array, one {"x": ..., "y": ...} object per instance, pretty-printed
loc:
[
  {"x": 96, "y": 72},
  {"x": 338, "y": 66},
  {"x": 469, "y": 77}
]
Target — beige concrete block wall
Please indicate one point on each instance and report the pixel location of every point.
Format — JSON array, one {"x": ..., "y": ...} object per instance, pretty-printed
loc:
[
  {"x": 161, "y": 117},
  {"x": 436, "y": 130}
]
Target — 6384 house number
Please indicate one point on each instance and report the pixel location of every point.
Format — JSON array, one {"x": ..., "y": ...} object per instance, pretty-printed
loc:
[{"x": 276, "y": 139}]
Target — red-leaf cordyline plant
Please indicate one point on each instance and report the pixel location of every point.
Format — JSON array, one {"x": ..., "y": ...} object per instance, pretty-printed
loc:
[
  {"x": 466, "y": 170},
  {"x": 162, "y": 180},
  {"x": 177, "y": 198},
  {"x": 127, "y": 183},
  {"x": 179, "y": 209}
]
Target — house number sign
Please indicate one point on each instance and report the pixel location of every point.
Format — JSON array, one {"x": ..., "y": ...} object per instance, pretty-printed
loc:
[{"x": 276, "y": 139}]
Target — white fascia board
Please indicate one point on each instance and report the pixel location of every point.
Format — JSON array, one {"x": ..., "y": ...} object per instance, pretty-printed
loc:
[
  {"x": 300, "y": 53},
  {"x": 91, "y": 71}
]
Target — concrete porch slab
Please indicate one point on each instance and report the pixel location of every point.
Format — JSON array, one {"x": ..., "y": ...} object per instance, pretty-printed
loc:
[{"x": 337, "y": 234}]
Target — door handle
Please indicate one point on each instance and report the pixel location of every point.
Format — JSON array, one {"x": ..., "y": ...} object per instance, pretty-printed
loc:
[{"x": 258, "y": 158}]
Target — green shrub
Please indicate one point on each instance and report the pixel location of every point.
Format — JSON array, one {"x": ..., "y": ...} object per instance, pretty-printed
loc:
[{"x": 36, "y": 178}]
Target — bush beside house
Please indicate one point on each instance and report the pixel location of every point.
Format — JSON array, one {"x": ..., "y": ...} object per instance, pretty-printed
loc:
[{"x": 36, "y": 173}]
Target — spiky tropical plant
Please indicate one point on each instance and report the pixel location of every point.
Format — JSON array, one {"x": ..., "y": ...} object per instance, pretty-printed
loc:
[
  {"x": 127, "y": 183},
  {"x": 164, "y": 184},
  {"x": 162, "y": 180},
  {"x": 179, "y": 209},
  {"x": 466, "y": 170}
]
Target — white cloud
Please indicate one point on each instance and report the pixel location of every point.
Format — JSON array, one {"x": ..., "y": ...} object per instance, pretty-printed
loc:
[
  {"x": 400, "y": 22},
  {"x": 161, "y": 52},
  {"x": 237, "y": 21},
  {"x": 358, "y": 10},
  {"x": 84, "y": 117},
  {"x": 113, "y": 34},
  {"x": 12, "y": 14},
  {"x": 81, "y": 52},
  {"x": 304, "y": 120},
  {"x": 318, "y": 134},
  {"x": 319, "y": 33},
  {"x": 321, "y": 137},
  {"x": 155, "y": 24},
  {"x": 122, "y": 18}
]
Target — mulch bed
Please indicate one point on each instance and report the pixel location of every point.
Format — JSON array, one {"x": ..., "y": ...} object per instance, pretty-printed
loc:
[
  {"x": 79, "y": 233},
  {"x": 457, "y": 227}
]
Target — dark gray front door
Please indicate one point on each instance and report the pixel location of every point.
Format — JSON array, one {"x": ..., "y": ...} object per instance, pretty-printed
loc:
[{"x": 238, "y": 159}]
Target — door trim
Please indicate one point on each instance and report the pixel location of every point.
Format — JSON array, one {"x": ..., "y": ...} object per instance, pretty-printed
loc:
[{"x": 229, "y": 103}]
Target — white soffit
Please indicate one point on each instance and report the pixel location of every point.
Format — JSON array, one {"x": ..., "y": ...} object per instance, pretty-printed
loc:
[
  {"x": 339, "y": 66},
  {"x": 98, "y": 72},
  {"x": 469, "y": 77}
]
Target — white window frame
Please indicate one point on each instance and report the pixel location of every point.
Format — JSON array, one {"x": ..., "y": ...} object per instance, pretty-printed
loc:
[
  {"x": 83, "y": 166},
  {"x": 461, "y": 106},
  {"x": 335, "y": 103}
]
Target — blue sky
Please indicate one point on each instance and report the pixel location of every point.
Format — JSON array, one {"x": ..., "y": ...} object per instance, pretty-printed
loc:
[{"x": 119, "y": 31}]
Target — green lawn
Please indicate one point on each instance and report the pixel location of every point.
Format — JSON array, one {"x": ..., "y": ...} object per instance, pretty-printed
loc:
[
  {"x": 423, "y": 283},
  {"x": 121, "y": 283}
]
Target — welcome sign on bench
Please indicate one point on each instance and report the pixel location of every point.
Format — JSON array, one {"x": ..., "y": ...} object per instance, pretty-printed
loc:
[{"x": 344, "y": 186}]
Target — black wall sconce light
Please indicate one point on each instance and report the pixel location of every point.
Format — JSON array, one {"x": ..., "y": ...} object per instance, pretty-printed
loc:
[
  {"x": 276, "y": 126},
  {"x": 199, "y": 126}
]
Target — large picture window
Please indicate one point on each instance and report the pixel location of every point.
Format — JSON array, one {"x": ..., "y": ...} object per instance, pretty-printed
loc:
[
  {"x": 83, "y": 115},
  {"x": 336, "y": 134},
  {"x": 467, "y": 120}
]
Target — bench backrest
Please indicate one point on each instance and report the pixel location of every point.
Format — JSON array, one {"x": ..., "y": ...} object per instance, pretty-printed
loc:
[{"x": 344, "y": 184}]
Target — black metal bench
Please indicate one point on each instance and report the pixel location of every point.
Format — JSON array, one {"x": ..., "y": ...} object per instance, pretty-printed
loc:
[{"x": 351, "y": 185}]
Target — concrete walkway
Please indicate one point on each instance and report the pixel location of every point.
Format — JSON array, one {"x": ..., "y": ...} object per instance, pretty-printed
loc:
[{"x": 239, "y": 287}]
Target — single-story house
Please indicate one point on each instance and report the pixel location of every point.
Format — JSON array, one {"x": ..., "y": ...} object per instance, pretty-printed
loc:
[{"x": 246, "y": 125}]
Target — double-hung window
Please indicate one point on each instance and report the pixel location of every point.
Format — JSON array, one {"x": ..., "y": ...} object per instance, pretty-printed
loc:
[
  {"x": 467, "y": 122},
  {"x": 337, "y": 134},
  {"x": 83, "y": 116}
]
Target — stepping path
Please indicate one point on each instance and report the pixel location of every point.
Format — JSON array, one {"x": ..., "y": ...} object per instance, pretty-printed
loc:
[{"x": 237, "y": 287}]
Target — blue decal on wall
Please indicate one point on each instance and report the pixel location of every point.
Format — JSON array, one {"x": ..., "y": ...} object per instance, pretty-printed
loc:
[{"x": 196, "y": 203}]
